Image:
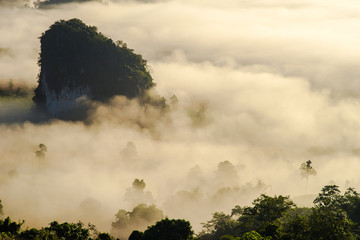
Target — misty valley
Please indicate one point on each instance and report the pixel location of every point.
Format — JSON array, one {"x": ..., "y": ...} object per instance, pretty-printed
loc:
[{"x": 179, "y": 120}]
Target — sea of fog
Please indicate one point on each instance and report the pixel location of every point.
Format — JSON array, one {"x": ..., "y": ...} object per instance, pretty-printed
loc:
[{"x": 262, "y": 87}]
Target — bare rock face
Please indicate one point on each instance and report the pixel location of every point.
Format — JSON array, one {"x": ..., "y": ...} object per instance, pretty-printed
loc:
[
  {"x": 79, "y": 64},
  {"x": 58, "y": 104}
]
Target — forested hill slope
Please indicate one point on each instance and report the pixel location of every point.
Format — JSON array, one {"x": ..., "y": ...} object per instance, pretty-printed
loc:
[{"x": 77, "y": 61}]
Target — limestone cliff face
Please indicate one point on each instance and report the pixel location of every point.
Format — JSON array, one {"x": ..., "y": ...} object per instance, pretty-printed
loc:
[
  {"x": 67, "y": 99},
  {"x": 79, "y": 63}
]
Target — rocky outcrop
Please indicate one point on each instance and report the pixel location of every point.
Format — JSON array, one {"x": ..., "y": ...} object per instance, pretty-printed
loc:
[
  {"x": 58, "y": 104},
  {"x": 77, "y": 63}
]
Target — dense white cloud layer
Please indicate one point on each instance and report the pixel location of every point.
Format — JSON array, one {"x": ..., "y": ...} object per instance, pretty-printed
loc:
[{"x": 265, "y": 85}]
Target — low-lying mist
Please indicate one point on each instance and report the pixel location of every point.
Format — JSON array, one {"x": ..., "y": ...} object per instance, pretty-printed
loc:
[{"x": 260, "y": 88}]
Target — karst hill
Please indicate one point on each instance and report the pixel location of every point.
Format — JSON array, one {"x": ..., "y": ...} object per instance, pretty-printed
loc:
[{"x": 77, "y": 63}]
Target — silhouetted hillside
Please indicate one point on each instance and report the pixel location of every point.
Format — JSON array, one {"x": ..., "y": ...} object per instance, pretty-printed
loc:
[{"x": 78, "y": 62}]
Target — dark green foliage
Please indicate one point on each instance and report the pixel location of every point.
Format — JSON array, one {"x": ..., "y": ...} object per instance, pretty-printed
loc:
[
  {"x": 104, "y": 236},
  {"x": 10, "y": 228},
  {"x": 330, "y": 217},
  {"x": 267, "y": 209},
  {"x": 221, "y": 224},
  {"x": 66, "y": 230},
  {"x": 229, "y": 237},
  {"x": 1, "y": 209},
  {"x": 76, "y": 55},
  {"x": 330, "y": 224},
  {"x": 351, "y": 205},
  {"x": 261, "y": 217},
  {"x": 294, "y": 225},
  {"x": 329, "y": 197},
  {"x": 296, "y": 229},
  {"x": 169, "y": 229},
  {"x": 136, "y": 235},
  {"x": 333, "y": 217},
  {"x": 30, "y": 234},
  {"x": 56, "y": 231},
  {"x": 252, "y": 235}
]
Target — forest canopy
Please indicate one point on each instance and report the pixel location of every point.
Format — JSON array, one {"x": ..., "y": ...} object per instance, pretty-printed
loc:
[{"x": 334, "y": 216}]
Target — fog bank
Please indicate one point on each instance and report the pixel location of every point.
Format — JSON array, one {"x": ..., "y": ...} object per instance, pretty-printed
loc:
[{"x": 262, "y": 86}]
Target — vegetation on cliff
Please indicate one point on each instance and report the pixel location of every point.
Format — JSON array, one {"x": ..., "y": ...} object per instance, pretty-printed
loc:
[{"x": 74, "y": 55}]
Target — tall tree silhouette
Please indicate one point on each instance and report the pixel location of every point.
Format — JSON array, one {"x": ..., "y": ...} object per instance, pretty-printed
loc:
[{"x": 307, "y": 170}]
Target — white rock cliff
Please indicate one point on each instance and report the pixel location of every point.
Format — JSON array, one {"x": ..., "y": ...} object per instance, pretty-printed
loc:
[{"x": 66, "y": 100}]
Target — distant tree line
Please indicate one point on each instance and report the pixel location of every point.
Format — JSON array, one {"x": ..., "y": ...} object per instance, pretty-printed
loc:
[
  {"x": 334, "y": 216},
  {"x": 49, "y": 3},
  {"x": 14, "y": 91}
]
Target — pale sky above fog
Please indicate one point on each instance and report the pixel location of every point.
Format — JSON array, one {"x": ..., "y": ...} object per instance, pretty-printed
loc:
[{"x": 277, "y": 81}]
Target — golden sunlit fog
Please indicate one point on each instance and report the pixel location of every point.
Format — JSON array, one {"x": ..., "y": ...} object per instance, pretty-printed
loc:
[{"x": 261, "y": 87}]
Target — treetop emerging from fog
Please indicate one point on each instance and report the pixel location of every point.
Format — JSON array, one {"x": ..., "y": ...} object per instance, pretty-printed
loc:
[{"x": 76, "y": 56}]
